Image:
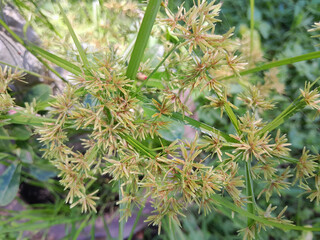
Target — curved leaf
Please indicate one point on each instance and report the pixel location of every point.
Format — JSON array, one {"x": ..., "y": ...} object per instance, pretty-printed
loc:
[
  {"x": 142, "y": 38},
  {"x": 224, "y": 202},
  {"x": 279, "y": 63}
]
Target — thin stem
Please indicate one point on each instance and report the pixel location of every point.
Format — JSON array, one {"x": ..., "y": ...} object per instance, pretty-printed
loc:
[
  {"x": 106, "y": 228},
  {"x": 251, "y": 27},
  {"x": 121, "y": 221},
  {"x": 250, "y": 193},
  {"x": 136, "y": 222},
  {"x": 157, "y": 67}
]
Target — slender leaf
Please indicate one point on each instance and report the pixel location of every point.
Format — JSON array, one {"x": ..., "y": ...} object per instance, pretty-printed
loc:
[
  {"x": 82, "y": 54},
  {"x": 56, "y": 60},
  {"x": 224, "y": 202},
  {"x": 251, "y": 26},
  {"x": 279, "y": 63},
  {"x": 157, "y": 67},
  {"x": 27, "y": 71},
  {"x": 106, "y": 228},
  {"x": 143, "y": 36},
  {"x": 49, "y": 222},
  {"x": 30, "y": 47}
]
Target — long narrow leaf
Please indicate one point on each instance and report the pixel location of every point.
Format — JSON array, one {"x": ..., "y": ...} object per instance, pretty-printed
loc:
[
  {"x": 30, "y": 49},
  {"x": 224, "y": 202},
  {"x": 32, "y": 226},
  {"x": 57, "y": 60},
  {"x": 143, "y": 37},
  {"x": 279, "y": 63},
  {"x": 82, "y": 54},
  {"x": 189, "y": 121}
]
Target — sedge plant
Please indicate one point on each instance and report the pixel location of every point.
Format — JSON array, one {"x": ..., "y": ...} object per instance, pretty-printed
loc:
[{"x": 128, "y": 108}]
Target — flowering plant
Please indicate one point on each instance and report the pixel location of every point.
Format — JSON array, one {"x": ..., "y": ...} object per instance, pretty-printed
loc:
[{"x": 121, "y": 111}]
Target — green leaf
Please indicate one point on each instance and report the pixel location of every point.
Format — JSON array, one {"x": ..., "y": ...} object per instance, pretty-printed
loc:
[
  {"x": 4, "y": 155},
  {"x": 56, "y": 60},
  {"x": 36, "y": 225},
  {"x": 40, "y": 92},
  {"x": 75, "y": 39},
  {"x": 232, "y": 117},
  {"x": 24, "y": 155},
  {"x": 9, "y": 184},
  {"x": 224, "y": 202},
  {"x": 30, "y": 47},
  {"x": 139, "y": 146},
  {"x": 186, "y": 120},
  {"x": 282, "y": 62},
  {"x": 81, "y": 227},
  {"x": 5, "y": 145},
  {"x": 142, "y": 38},
  {"x": 250, "y": 193},
  {"x": 42, "y": 173},
  {"x": 20, "y": 132},
  {"x": 173, "y": 131}
]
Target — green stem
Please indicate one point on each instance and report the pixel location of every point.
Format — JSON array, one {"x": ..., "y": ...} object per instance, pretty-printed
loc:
[
  {"x": 250, "y": 193},
  {"x": 106, "y": 228},
  {"x": 157, "y": 67},
  {"x": 121, "y": 221},
  {"x": 142, "y": 38},
  {"x": 251, "y": 27},
  {"x": 136, "y": 222}
]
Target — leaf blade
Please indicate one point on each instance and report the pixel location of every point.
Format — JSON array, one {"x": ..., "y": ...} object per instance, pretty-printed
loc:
[{"x": 9, "y": 184}]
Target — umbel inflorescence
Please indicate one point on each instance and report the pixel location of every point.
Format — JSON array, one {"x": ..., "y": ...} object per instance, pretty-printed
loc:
[{"x": 107, "y": 106}]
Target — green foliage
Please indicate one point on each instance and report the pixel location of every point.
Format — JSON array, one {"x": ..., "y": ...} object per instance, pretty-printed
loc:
[{"x": 9, "y": 181}]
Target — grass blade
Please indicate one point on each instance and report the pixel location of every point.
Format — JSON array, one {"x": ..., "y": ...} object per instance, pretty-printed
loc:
[
  {"x": 82, "y": 54},
  {"x": 30, "y": 49},
  {"x": 56, "y": 60},
  {"x": 157, "y": 67},
  {"x": 29, "y": 72},
  {"x": 279, "y": 63},
  {"x": 251, "y": 27},
  {"x": 224, "y": 202},
  {"x": 32, "y": 226},
  {"x": 142, "y": 38}
]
